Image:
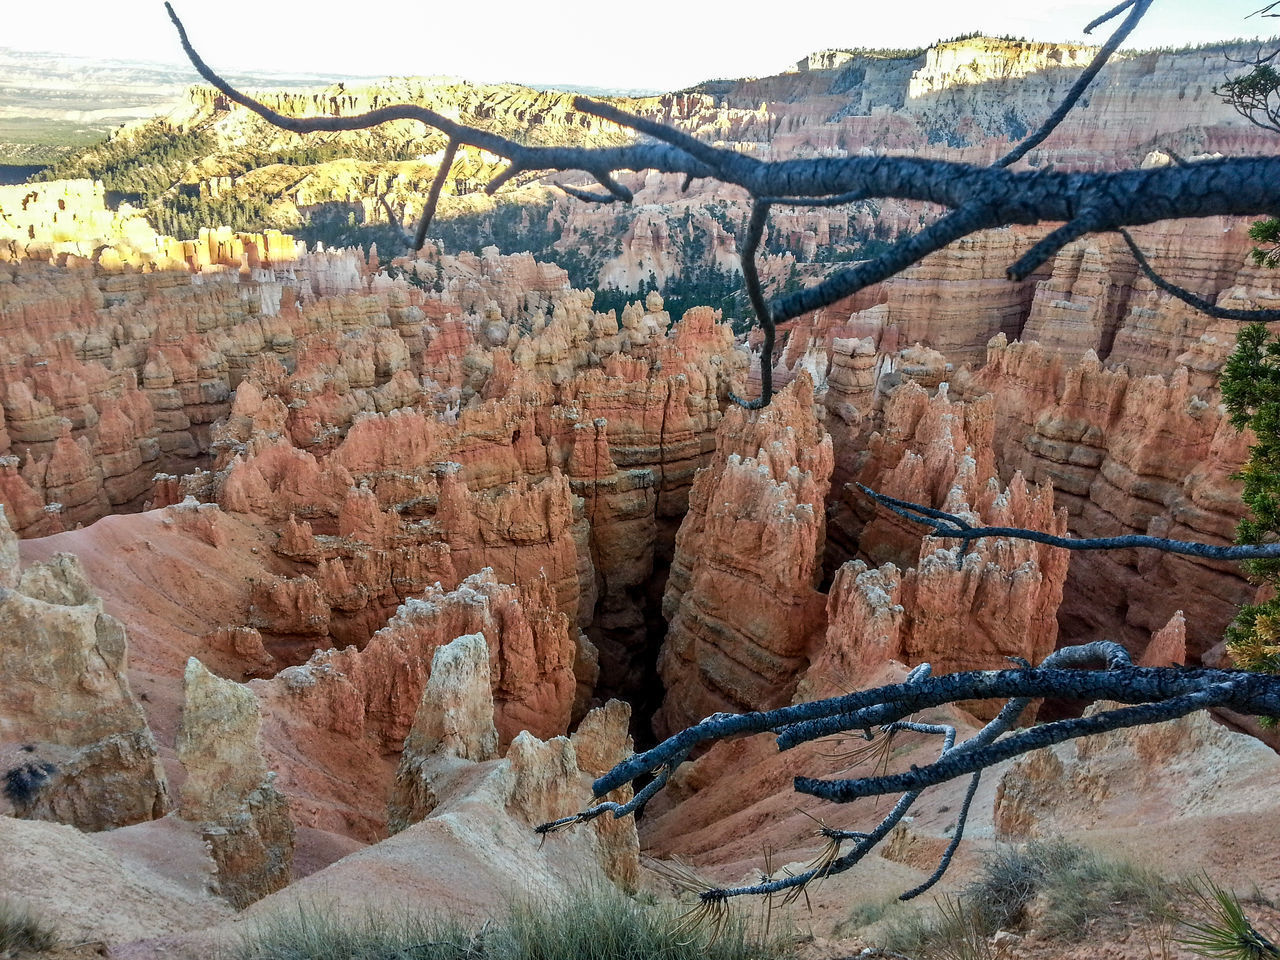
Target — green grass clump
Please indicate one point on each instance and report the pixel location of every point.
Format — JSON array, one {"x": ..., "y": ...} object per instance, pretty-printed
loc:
[
  {"x": 1091, "y": 889},
  {"x": 318, "y": 933},
  {"x": 22, "y": 932},
  {"x": 596, "y": 924}
]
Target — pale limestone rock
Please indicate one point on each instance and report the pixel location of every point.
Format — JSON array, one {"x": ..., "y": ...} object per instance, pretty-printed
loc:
[
  {"x": 229, "y": 789},
  {"x": 1181, "y": 770},
  {"x": 455, "y": 715},
  {"x": 600, "y": 743},
  {"x": 9, "y": 572},
  {"x": 449, "y": 759},
  {"x": 73, "y": 740},
  {"x": 454, "y": 720}
]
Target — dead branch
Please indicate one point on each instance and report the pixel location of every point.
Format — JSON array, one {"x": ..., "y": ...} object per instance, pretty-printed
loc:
[{"x": 979, "y": 198}]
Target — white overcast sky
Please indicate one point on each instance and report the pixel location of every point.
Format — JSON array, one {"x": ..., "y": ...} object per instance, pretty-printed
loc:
[{"x": 660, "y": 44}]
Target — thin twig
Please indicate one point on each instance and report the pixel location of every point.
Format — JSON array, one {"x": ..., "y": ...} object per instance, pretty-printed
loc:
[
  {"x": 1115, "y": 11},
  {"x": 950, "y": 852},
  {"x": 433, "y": 198},
  {"x": 904, "y": 253},
  {"x": 952, "y": 527},
  {"x": 751, "y": 279},
  {"x": 1189, "y": 298},
  {"x": 958, "y": 763}
]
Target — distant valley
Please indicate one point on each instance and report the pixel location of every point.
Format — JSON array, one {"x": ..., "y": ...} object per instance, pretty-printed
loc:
[{"x": 51, "y": 104}]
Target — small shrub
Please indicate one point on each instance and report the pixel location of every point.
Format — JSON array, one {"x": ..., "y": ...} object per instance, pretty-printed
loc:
[
  {"x": 1010, "y": 879},
  {"x": 905, "y": 930},
  {"x": 963, "y": 931},
  {"x": 20, "y": 931},
  {"x": 22, "y": 783},
  {"x": 1071, "y": 886},
  {"x": 1092, "y": 888},
  {"x": 596, "y": 924},
  {"x": 868, "y": 912}
]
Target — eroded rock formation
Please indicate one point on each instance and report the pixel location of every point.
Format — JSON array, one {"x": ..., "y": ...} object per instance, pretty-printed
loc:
[
  {"x": 228, "y": 789},
  {"x": 418, "y": 522},
  {"x": 742, "y": 599},
  {"x": 76, "y": 745}
]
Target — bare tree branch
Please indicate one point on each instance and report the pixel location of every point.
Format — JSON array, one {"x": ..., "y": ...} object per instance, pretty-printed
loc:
[
  {"x": 979, "y": 197},
  {"x": 1086, "y": 222},
  {"x": 839, "y": 200},
  {"x": 961, "y": 819},
  {"x": 394, "y": 220},
  {"x": 1115, "y": 11},
  {"x": 586, "y": 196},
  {"x": 1077, "y": 90},
  {"x": 751, "y": 279},
  {"x": 1187, "y": 297},
  {"x": 904, "y": 253},
  {"x": 957, "y": 763},
  {"x": 1155, "y": 695},
  {"x": 953, "y": 527},
  {"x": 433, "y": 198}
]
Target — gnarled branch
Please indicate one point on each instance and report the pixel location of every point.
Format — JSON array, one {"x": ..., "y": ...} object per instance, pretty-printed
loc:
[
  {"x": 1189, "y": 298},
  {"x": 1152, "y": 695},
  {"x": 979, "y": 198}
]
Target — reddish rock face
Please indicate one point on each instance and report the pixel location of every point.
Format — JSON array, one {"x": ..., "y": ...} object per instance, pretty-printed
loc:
[
  {"x": 420, "y": 524},
  {"x": 928, "y": 602},
  {"x": 1125, "y": 454},
  {"x": 360, "y": 704},
  {"x": 742, "y": 599}
]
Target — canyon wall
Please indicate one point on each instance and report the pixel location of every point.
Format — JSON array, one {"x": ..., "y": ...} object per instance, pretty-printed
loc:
[{"x": 393, "y": 527}]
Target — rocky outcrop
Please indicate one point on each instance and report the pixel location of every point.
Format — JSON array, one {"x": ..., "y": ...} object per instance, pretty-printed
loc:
[
  {"x": 571, "y": 458},
  {"x": 454, "y": 719},
  {"x": 925, "y": 447},
  {"x": 454, "y": 734},
  {"x": 742, "y": 602},
  {"x": 359, "y": 705},
  {"x": 1180, "y": 772},
  {"x": 1125, "y": 454},
  {"x": 954, "y": 610},
  {"x": 76, "y": 746},
  {"x": 228, "y": 789},
  {"x": 920, "y": 599}
]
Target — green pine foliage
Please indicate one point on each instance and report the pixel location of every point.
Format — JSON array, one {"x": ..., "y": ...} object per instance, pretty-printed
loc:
[
  {"x": 154, "y": 167},
  {"x": 1251, "y": 392},
  {"x": 1267, "y": 234},
  {"x": 141, "y": 166}
]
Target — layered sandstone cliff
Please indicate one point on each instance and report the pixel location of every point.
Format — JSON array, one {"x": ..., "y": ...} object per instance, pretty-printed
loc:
[{"x": 742, "y": 602}]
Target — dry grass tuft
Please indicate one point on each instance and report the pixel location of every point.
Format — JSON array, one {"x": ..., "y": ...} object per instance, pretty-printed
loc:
[{"x": 22, "y": 932}]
